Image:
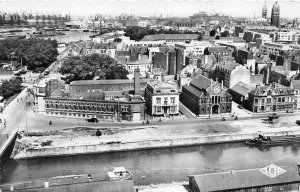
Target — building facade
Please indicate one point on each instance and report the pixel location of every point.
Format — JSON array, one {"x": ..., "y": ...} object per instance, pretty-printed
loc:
[
  {"x": 271, "y": 98},
  {"x": 130, "y": 108},
  {"x": 203, "y": 96},
  {"x": 162, "y": 99},
  {"x": 275, "y": 15},
  {"x": 264, "y": 11}
]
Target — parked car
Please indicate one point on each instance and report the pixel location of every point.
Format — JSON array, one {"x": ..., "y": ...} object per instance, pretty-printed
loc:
[
  {"x": 240, "y": 106},
  {"x": 290, "y": 111},
  {"x": 46, "y": 72},
  {"x": 93, "y": 120}
]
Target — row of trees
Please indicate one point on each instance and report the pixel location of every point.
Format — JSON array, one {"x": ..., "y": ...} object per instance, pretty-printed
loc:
[
  {"x": 22, "y": 19},
  {"x": 213, "y": 32},
  {"x": 89, "y": 66},
  {"x": 11, "y": 87},
  {"x": 37, "y": 54},
  {"x": 138, "y": 33}
]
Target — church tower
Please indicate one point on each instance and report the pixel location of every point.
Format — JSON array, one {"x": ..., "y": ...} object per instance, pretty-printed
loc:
[
  {"x": 264, "y": 11},
  {"x": 275, "y": 16}
]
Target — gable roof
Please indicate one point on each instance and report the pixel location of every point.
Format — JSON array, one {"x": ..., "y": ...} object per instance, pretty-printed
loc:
[
  {"x": 275, "y": 87},
  {"x": 243, "y": 179},
  {"x": 201, "y": 82},
  {"x": 170, "y": 37},
  {"x": 242, "y": 88},
  {"x": 227, "y": 65},
  {"x": 193, "y": 90}
]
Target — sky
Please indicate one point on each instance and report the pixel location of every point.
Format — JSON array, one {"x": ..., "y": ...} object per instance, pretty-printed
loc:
[{"x": 181, "y": 8}]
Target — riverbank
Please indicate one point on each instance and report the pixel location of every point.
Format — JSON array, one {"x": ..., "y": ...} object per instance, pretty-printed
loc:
[{"x": 75, "y": 141}]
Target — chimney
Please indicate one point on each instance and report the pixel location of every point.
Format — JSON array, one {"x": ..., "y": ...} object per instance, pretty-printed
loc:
[
  {"x": 137, "y": 84},
  {"x": 268, "y": 74},
  {"x": 222, "y": 85}
]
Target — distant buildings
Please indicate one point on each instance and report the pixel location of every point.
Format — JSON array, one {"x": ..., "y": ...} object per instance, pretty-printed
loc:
[
  {"x": 275, "y": 15},
  {"x": 230, "y": 73},
  {"x": 264, "y": 11},
  {"x": 171, "y": 38}
]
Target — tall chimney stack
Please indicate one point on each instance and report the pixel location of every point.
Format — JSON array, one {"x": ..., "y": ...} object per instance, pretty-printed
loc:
[
  {"x": 268, "y": 74},
  {"x": 137, "y": 84}
]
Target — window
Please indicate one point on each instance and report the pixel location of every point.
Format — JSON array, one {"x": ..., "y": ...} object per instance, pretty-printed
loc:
[
  {"x": 269, "y": 100},
  {"x": 283, "y": 99},
  {"x": 173, "y": 109},
  {"x": 158, "y": 91},
  {"x": 166, "y": 100},
  {"x": 158, "y": 109},
  {"x": 158, "y": 100},
  {"x": 279, "y": 99},
  {"x": 172, "y": 100},
  {"x": 263, "y": 101}
]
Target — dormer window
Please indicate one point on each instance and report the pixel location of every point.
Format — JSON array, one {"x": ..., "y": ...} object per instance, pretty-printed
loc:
[
  {"x": 269, "y": 92},
  {"x": 158, "y": 91},
  {"x": 172, "y": 91}
]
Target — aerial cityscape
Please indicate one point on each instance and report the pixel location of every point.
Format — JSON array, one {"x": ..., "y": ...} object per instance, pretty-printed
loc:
[{"x": 149, "y": 96}]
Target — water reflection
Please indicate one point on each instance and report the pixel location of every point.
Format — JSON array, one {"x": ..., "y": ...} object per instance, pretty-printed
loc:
[{"x": 157, "y": 165}]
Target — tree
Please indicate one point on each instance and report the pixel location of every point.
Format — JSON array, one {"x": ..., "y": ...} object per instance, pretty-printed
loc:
[
  {"x": 225, "y": 34},
  {"x": 118, "y": 40},
  {"x": 116, "y": 72},
  {"x": 200, "y": 37},
  {"x": 90, "y": 66},
  {"x": 35, "y": 53},
  {"x": 11, "y": 87},
  {"x": 212, "y": 33}
]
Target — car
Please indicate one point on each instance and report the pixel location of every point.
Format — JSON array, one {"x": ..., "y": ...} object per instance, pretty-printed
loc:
[
  {"x": 240, "y": 106},
  {"x": 290, "y": 111},
  {"x": 46, "y": 72},
  {"x": 93, "y": 120}
]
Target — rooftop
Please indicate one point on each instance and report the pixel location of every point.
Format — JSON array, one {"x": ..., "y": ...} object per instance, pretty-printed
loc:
[
  {"x": 242, "y": 88},
  {"x": 170, "y": 37},
  {"x": 246, "y": 178},
  {"x": 106, "y": 82}
]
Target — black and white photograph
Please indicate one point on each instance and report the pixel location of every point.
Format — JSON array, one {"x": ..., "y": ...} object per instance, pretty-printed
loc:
[{"x": 149, "y": 95}]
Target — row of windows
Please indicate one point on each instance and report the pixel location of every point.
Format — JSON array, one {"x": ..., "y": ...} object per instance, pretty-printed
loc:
[
  {"x": 279, "y": 100},
  {"x": 215, "y": 99},
  {"x": 73, "y": 103},
  {"x": 102, "y": 108},
  {"x": 208, "y": 109},
  {"x": 159, "y": 109},
  {"x": 158, "y": 100}
]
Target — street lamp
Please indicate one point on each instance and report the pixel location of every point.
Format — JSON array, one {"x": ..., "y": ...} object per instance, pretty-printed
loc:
[{"x": 118, "y": 113}]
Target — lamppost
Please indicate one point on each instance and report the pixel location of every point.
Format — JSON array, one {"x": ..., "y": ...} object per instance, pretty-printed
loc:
[
  {"x": 145, "y": 108},
  {"x": 118, "y": 108}
]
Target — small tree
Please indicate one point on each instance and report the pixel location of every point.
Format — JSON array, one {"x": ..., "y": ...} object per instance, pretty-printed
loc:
[
  {"x": 225, "y": 34},
  {"x": 200, "y": 37},
  {"x": 118, "y": 40},
  {"x": 212, "y": 33}
]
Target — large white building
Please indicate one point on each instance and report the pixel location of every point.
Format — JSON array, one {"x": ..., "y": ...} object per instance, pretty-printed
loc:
[
  {"x": 288, "y": 36},
  {"x": 273, "y": 48},
  {"x": 162, "y": 99}
]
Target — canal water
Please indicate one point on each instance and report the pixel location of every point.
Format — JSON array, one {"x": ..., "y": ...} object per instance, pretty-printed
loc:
[
  {"x": 72, "y": 36},
  {"x": 157, "y": 165}
]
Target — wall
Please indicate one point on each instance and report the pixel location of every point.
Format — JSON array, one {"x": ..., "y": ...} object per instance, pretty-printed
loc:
[{"x": 143, "y": 144}]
